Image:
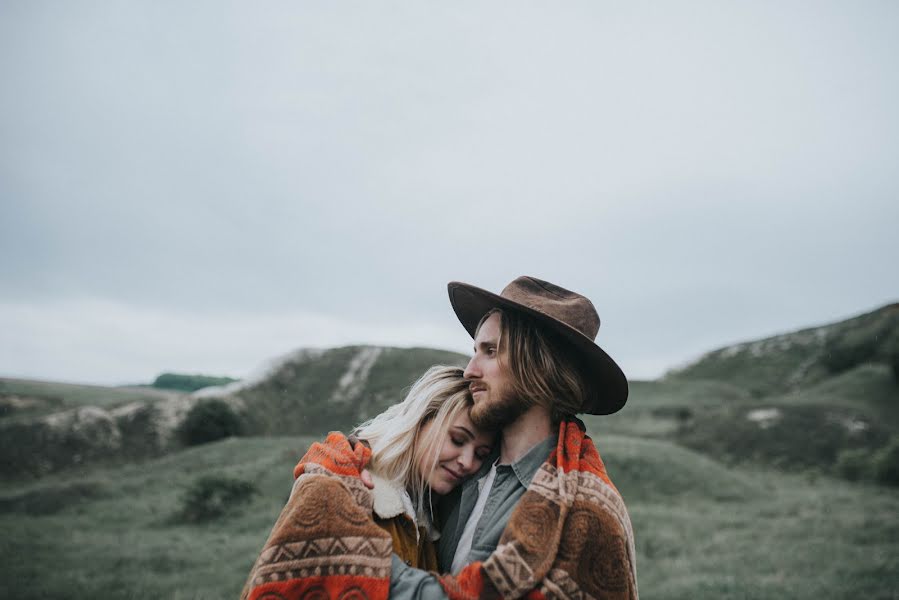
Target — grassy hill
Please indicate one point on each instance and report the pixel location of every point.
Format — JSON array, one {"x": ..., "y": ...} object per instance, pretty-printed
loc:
[
  {"x": 869, "y": 388},
  {"x": 794, "y": 361},
  {"x": 726, "y": 465},
  {"x": 802, "y": 400},
  {"x": 46, "y": 426},
  {"x": 826, "y": 390},
  {"x": 659, "y": 409},
  {"x": 53, "y": 426},
  {"x": 27, "y": 399},
  {"x": 703, "y": 530},
  {"x": 314, "y": 391},
  {"x": 857, "y": 410}
]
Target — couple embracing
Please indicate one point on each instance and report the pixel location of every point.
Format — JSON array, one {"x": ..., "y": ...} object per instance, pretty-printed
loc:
[{"x": 482, "y": 483}]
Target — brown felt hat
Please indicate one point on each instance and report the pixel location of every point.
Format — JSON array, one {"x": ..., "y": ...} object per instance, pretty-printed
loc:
[{"x": 569, "y": 315}]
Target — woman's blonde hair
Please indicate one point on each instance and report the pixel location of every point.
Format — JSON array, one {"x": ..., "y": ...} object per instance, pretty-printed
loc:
[{"x": 439, "y": 396}]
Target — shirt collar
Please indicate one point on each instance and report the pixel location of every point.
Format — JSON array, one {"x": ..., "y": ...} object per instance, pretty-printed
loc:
[{"x": 526, "y": 467}]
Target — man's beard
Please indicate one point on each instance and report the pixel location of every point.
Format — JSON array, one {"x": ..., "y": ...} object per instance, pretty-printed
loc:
[{"x": 497, "y": 414}]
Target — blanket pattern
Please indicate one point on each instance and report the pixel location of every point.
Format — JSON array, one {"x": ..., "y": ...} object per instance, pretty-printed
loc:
[
  {"x": 325, "y": 544},
  {"x": 569, "y": 537}
]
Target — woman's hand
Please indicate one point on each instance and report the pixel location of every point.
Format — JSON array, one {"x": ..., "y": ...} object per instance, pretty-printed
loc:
[{"x": 365, "y": 475}]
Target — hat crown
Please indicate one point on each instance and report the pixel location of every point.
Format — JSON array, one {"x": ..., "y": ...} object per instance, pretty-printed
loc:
[{"x": 566, "y": 306}]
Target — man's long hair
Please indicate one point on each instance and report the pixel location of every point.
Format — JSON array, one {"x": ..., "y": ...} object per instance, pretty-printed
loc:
[{"x": 544, "y": 371}]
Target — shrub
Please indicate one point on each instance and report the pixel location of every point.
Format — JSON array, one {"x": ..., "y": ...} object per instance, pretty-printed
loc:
[
  {"x": 849, "y": 349},
  {"x": 140, "y": 431},
  {"x": 892, "y": 354},
  {"x": 886, "y": 463},
  {"x": 854, "y": 464},
  {"x": 214, "y": 496},
  {"x": 210, "y": 420}
]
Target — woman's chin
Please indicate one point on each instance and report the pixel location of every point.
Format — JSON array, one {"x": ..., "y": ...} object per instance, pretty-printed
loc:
[{"x": 441, "y": 488}]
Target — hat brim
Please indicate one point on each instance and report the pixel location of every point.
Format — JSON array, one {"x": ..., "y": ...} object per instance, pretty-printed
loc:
[{"x": 471, "y": 303}]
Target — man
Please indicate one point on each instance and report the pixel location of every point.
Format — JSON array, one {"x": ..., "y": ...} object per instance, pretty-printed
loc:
[
  {"x": 540, "y": 519},
  {"x": 543, "y": 516}
]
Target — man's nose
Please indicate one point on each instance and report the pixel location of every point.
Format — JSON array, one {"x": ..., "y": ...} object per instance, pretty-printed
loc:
[{"x": 471, "y": 370}]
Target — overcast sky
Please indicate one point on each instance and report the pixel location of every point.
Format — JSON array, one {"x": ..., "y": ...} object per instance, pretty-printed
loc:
[{"x": 200, "y": 186}]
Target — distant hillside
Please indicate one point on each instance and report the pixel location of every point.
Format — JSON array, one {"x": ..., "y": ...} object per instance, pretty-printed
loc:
[
  {"x": 794, "y": 361},
  {"x": 189, "y": 383},
  {"x": 313, "y": 391},
  {"x": 27, "y": 398},
  {"x": 45, "y": 426},
  {"x": 815, "y": 397},
  {"x": 808, "y": 400}
]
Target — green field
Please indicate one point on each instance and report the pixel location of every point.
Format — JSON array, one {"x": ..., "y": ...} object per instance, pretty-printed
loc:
[
  {"x": 703, "y": 530},
  {"x": 733, "y": 470},
  {"x": 38, "y": 398}
]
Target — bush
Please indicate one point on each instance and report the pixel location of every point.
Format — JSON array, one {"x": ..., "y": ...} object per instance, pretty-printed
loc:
[
  {"x": 892, "y": 354},
  {"x": 214, "y": 496},
  {"x": 210, "y": 420},
  {"x": 855, "y": 464},
  {"x": 886, "y": 463},
  {"x": 849, "y": 349}
]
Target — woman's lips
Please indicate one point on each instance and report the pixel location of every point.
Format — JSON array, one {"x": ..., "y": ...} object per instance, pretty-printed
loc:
[{"x": 453, "y": 473}]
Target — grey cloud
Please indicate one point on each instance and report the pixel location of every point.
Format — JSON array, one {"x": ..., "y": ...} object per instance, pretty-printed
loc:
[{"x": 703, "y": 173}]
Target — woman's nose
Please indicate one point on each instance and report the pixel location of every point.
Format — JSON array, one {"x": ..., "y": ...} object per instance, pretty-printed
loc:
[{"x": 466, "y": 461}]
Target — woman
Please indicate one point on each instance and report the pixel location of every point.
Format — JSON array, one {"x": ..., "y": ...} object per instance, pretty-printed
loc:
[
  {"x": 326, "y": 543},
  {"x": 423, "y": 446}
]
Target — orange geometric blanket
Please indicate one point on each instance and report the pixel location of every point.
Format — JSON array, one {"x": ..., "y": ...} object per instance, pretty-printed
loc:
[
  {"x": 570, "y": 535},
  {"x": 325, "y": 543}
]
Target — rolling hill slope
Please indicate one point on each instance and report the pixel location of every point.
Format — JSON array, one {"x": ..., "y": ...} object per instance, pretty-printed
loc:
[
  {"x": 315, "y": 391},
  {"x": 795, "y": 399},
  {"x": 25, "y": 398},
  {"x": 812, "y": 396},
  {"x": 53, "y": 426},
  {"x": 703, "y": 530},
  {"x": 702, "y": 457},
  {"x": 795, "y": 361}
]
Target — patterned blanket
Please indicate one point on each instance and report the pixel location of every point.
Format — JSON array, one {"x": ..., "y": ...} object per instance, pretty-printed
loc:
[
  {"x": 569, "y": 537},
  {"x": 325, "y": 543}
]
